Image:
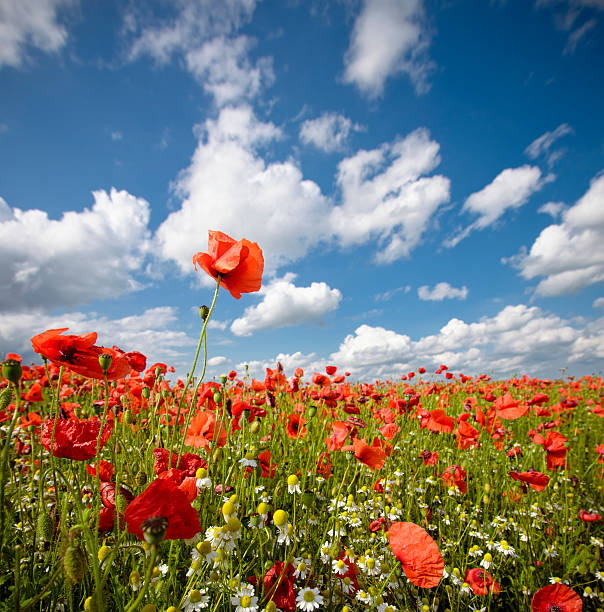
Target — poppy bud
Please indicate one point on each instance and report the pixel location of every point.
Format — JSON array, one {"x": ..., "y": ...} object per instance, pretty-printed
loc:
[
  {"x": 223, "y": 379},
  {"x": 154, "y": 529},
  {"x": 75, "y": 563},
  {"x": 204, "y": 311},
  {"x": 5, "y": 398},
  {"x": 255, "y": 427},
  {"x": 146, "y": 392},
  {"x": 312, "y": 410},
  {"x": 121, "y": 503},
  {"x": 105, "y": 361},
  {"x": 12, "y": 370},
  {"x": 157, "y": 372},
  {"x": 217, "y": 397},
  {"x": 141, "y": 478},
  {"x": 129, "y": 417},
  {"x": 45, "y": 527}
]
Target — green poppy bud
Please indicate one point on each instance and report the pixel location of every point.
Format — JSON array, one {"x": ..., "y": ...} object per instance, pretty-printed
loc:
[
  {"x": 204, "y": 311},
  {"x": 12, "y": 370},
  {"x": 312, "y": 410},
  {"x": 146, "y": 392},
  {"x": 105, "y": 361},
  {"x": 45, "y": 528},
  {"x": 75, "y": 563}
]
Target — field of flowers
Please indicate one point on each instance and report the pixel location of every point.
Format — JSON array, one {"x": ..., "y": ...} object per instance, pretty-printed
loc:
[{"x": 120, "y": 490}]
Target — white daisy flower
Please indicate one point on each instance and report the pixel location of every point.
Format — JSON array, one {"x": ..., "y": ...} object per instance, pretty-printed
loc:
[{"x": 309, "y": 599}]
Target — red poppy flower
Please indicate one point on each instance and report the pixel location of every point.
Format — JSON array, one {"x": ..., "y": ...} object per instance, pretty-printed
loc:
[
  {"x": 338, "y": 437},
  {"x": 372, "y": 456},
  {"x": 295, "y": 426},
  {"x": 189, "y": 463},
  {"x": 239, "y": 263},
  {"x": 279, "y": 586},
  {"x": 429, "y": 458},
  {"x": 163, "y": 498},
  {"x": 481, "y": 582},
  {"x": 536, "y": 480},
  {"x": 202, "y": 428},
  {"x": 418, "y": 552},
  {"x": 104, "y": 468},
  {"x": 74, "y": 439},
  {"x": 439, "y": 421},
  {"x": 454, "y": 476},
  {"x": 268, "y": 468},
  {"x": 80, "y": 354},
  {"x": 556, "y": 597},
  {"x": 589, "y": 517},
  {"x": 508, "y": 408}
]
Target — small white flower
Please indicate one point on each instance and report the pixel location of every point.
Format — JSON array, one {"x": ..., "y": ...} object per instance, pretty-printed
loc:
[
  {"x": 195, "y": 600},
  {"x": 309, "y": 599}
]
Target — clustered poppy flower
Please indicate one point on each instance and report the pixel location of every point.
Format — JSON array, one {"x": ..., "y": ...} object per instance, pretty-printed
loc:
[
  {"x": 79, "y": 354},
  {"x": 163, "y": 498},
  {"x": 74, "y": 439},
  {"x": 239, "y": 263}
]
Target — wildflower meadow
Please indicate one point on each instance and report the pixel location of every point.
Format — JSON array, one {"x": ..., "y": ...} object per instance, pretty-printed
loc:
[{"x": 435, "y": 491}]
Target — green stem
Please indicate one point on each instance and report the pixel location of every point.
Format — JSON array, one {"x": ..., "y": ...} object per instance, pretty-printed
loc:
[
  {"x": 4, "y": 461},
  {"x": 191, "y": 373},
  {"x": 148, "y": 573}
]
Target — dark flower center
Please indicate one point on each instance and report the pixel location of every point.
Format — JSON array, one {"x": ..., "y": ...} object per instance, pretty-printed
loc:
[{"x": 69, "y": 354}]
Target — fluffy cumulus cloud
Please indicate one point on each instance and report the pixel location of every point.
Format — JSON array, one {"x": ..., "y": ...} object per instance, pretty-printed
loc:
[
  {"x": 39, "y": 269},
  {"x": 442, "y": 291},
  {"x": 386, "y": 195},
  {"x": 569, "y": 256},
  {"x": 203, "y": 34},
  {"x": 222, "y": 66},
  {"x": 151, "y": 332},
  {"x": 511, "y": 188},
  {"x": 519, "y": 339},
  {"x": 389, "y": 37},
  {"x": 284, "y": 304},
  {"x": 329, "y": 132},
  {"x": 229, "y": 186},
  {"x": 30, "y": 23}
]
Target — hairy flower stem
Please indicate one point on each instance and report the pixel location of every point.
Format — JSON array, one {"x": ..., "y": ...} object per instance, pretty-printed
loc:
[
  {"x": 151, "y": 563},
  {"x": 4, "y": 461},
  {"x": 190, "y": 377}
]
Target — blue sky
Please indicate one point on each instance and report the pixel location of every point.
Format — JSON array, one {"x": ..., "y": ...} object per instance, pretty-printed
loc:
[{"x": 423, "y": 176}]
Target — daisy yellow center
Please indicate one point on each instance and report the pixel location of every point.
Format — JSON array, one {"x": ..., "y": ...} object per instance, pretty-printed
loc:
[
  {"x": 370, "y": 563},
  {"x": 246, "y": 600},
  {"x": 301, "y": 567},
  {"x": 195, "y": 596},
  {"x": 309, "y": 596},
  {"x": 341, "y": 565}
]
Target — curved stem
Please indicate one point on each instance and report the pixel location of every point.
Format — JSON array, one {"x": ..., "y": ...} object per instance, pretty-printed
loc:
[
  {"x": 148, "y": 573},
  {"x": 192, "y": 372}
]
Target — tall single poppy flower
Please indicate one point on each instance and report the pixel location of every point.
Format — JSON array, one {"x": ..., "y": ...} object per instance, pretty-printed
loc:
[
  {"x": 536, "y": 480},
  {"x": 74, "y": 439},
  {"x": 239, "y": 263},
  {"x": 163, "y": 498},
  {"x": 418, "y": 552},
  {"x": 556, "y": 597}
]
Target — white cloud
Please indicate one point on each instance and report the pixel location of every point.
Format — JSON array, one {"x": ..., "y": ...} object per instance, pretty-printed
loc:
[
  {"x": 510, "y": 189},
  {"x": 385, "y": 195},
  {"x": 193, "y": 23},
  {"x": 329, "y": 132},
  {"x": 518, "y": 339},
  {"x": 202, "y": 33},
  {"x": 389, "y": 37},
  {"x": 598, "y": 303},
  {"x": 150, "y": 332},
  {"x": 285, "y": 304},
  {"x": 554, "y": 209},
  {"x": 229, "y": 187},
  {"x": 222, "y": 66},
  {"x": 39, "y": 268},
  {"x": 219, "y": 360},
  {"x": 116, "y": 135},
  {"x": 442, "y": 291},
  {"x": 570, "y": 255},
  {"x": 577, "y": 34},
  {"x": 32, "y": 23},
  {"x": 543, "y": 144}
]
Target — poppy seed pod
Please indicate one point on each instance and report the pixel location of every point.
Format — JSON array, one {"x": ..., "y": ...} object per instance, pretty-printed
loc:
[
  {"x": 154, "y": 529},
  {"x": 204, "y": 311},
  {"x": 146, "y": 392},
  {"x": 105, "y": 361},
  {"x": 12, "y": 370}
]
